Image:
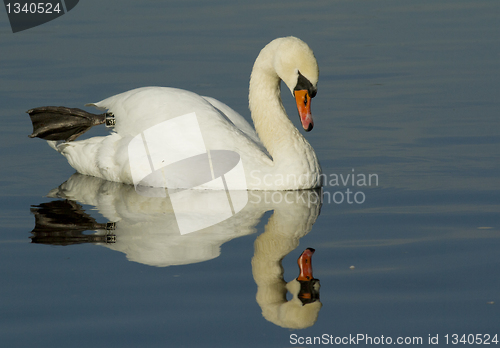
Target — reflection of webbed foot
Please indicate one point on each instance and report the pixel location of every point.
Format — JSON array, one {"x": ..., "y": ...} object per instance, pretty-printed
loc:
[{"x": 64, "y": 223}]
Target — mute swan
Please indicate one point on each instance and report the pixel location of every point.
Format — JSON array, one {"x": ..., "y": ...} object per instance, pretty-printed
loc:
[{"x": 275, "y": 156}]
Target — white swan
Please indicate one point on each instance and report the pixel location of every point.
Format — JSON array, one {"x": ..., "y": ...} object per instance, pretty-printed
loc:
[{"x": 278, "y": 158}]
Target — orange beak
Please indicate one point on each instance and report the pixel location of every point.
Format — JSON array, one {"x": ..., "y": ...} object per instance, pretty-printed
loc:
[
  {"x": 305, "y": 265},
  {"x": 304, "y": 107}
]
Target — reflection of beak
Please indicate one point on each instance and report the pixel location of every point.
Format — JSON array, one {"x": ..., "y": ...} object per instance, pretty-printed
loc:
[
  {"x": 305, "y": 266},
  {"x": 304, "y": 107},
  {"x": 309, "y": 287}
]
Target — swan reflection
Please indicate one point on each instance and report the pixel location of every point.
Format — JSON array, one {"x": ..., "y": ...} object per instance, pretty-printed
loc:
[{"x": 145, "y": 229}]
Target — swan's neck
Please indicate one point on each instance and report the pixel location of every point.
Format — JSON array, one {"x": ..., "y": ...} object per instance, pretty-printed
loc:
[{"x": 291, "y": 152}]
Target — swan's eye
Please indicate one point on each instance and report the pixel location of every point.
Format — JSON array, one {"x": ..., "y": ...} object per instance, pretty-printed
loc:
[
  {"x": 304, "y": 84},
  {"x": 312, "y": 92}
]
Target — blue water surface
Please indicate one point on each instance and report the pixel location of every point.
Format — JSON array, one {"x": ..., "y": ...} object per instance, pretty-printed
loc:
[{"x": 408, "y": 92}]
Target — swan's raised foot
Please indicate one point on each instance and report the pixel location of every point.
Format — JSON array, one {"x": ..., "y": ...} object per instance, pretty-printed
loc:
[{"x": 62, "y": 123}]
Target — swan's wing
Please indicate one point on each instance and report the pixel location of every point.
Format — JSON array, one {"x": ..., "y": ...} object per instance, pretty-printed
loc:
[
  {"x": 222, "y": 128},
  {"x": 142, "y": 108},
  {"x": 235, "y": 118}
]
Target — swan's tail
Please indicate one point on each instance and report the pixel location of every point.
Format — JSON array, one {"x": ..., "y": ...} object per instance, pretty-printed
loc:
[{"x": 61, "y": 123}]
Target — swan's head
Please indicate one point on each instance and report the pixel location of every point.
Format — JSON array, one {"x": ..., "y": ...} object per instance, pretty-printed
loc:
[
  {"x": 296, "y": 65},
  {"x": 309, "y": 287},
  {"x": 303, "y": 309}
]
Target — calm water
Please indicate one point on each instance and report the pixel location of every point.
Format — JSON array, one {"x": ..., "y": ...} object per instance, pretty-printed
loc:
[{"x": 408, "y": 91}]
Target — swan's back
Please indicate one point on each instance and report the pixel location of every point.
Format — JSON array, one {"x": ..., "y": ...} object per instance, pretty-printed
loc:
[{"x": 137, "y": 110}]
